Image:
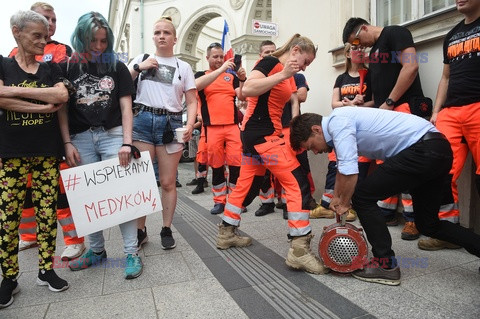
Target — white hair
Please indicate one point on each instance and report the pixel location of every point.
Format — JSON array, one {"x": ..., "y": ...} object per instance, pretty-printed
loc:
[{"x": 21, "y": 18}]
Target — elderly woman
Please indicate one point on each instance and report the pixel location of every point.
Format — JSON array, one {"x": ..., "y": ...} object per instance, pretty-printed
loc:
[{"x": 30, "y": 95}]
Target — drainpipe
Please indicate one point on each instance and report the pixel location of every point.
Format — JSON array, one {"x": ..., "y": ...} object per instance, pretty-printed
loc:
[{"x": 142, "y": 38}]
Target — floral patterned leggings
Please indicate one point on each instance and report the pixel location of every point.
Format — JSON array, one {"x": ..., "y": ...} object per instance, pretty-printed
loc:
[{"x": 13, "y": 186}]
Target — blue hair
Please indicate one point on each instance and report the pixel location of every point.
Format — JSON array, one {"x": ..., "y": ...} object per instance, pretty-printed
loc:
[{"x": 83, "y": 35}]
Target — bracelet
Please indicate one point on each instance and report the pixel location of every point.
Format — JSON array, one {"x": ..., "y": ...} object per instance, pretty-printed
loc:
[
  {"x": 242, "y": 80},
  {"x": 67, "y": 143},
  {"x": 130, "y": 145}
]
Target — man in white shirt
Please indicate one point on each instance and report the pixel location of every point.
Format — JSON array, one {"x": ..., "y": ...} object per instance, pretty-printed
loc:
[{"x": 416, "y": 157}]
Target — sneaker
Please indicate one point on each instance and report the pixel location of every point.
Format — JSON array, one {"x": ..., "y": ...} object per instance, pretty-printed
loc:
[
  {"x": 177, "y": 184},
  {"x": 321, "y": 212},
  {"x": 205, "y": 184},
  {"x": 265, "y": 208},
  {"x": 391, "y": 221},
  {"x": 379, "y": 275},
  {"x": 436, "y": 244},
  {"x": 218, "y": 208},
  {"x": 87, "y": 260},
  {"x": 134, "y": 266},
  {"x": 8, "y": 288},
  {"x": 142, "y": 237},
  {"x": 410, "y": 231},
  {"x": 23, "y": 244},
  {"x": 73, "y": 251},
  {"x": 49, "y": 278},
  {"x": 167, "y": 239},
  {"x": 193, "y": 182},
  {"x": 244, "y": 210}
]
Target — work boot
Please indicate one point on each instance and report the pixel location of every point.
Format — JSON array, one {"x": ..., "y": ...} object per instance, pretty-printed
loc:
[
  {"x": 436, "y": 244},
  {"x": 312, "y": 204},
  {"x": 227, "y": 238},
  {"x": 280, "y": 205},
  {"x": 301, "y": 257},
  {"x": 391, "y": 221},
  {"x": 321, "y": 212},
  {"x": 199, "y": 189},
  {"x": 265, "y": 208},
  {"x": 193, "y": 182},
  {"x": 351, "y": 215},
  {"x": 218, "y": 208},
  {"x": 410, "y": 231}
]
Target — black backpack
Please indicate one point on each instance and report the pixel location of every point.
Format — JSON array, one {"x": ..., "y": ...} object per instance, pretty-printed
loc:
[{"x": 135, "y": 82}]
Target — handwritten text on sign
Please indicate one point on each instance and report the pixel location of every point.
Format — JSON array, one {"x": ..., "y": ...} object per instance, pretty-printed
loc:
[{"x": 105, "y": 194}]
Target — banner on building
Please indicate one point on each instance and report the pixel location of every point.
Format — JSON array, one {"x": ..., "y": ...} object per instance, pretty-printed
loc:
[
  {"x": 105, "y": 194},
  {"x": 264, "y": 28}
]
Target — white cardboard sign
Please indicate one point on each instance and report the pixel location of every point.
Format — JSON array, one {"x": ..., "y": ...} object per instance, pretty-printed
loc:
[{"x": 105, "y": 194}]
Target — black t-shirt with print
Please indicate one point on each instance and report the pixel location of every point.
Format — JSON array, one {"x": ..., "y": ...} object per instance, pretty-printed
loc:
[
  {"x": 461, "y": 50},
  {"x": 29, "y": 134},
  {"x": 384, "y": 64},
  {"x": 97, "y": 100},
  {"x": 349, "y": 86}
]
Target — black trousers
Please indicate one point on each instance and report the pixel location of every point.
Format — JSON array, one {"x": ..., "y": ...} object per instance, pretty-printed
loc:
[{"x": 423, "y": 169}]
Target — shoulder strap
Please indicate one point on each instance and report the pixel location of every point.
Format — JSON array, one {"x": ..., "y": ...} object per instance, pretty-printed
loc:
[{"x": 145, "y": 56}]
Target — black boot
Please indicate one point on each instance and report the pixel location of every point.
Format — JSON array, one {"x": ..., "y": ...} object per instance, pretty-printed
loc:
[
  {"x": 265, "y": 208},
  {"x": 199, "y": 189}
]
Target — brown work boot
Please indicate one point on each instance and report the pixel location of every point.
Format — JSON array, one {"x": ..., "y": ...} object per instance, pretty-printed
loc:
[
  {"x": 351, "y": 215},
  {"x": 410, "y": 231},
  {"x": 301, "y": 257},
  {"x": 321, "y": 212},
  {"x": 436, "y": 244},
  {"x": 227, "y": 238}
]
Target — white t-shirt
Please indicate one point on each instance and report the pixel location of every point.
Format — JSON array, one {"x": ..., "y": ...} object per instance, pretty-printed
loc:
[{"x": 164, "y": 88}]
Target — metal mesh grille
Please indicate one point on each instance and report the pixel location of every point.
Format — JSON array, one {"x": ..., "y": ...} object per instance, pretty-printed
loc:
[{"x": 342, "y": 250}]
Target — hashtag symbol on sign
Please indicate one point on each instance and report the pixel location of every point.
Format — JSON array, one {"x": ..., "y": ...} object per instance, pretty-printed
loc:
[{"x": 71, "y": 182}]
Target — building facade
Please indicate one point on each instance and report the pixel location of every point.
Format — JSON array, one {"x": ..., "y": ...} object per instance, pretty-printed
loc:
[{"x": 200, "y": 23}]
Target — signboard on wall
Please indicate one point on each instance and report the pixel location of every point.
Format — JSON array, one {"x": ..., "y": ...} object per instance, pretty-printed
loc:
[
  {"x": 264, "y": 28},
  {"x": 105, "y": 194}
]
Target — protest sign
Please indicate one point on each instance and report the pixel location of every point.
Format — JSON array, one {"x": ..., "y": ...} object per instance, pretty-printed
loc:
[{"x": 105, "y": 194}]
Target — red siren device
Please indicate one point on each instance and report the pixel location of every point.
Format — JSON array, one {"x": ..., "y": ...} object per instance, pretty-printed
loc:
[{"x": 343, "y": 247}]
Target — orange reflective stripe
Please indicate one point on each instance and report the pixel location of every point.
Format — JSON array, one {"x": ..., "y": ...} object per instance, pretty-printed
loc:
[{"x": 28, "y": 224}]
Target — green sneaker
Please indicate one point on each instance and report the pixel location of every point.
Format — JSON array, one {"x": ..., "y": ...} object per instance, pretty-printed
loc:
[
  {"x": 134, "y": 266},
  {"x": 87, "y": 260}
]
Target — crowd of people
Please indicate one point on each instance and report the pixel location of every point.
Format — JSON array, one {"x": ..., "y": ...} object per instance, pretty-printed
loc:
[{"x": 386, "y": 139}]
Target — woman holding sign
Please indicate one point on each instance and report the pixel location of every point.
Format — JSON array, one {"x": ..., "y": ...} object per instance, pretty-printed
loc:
[
  {"x": 163, "y": 82},
  {"x": 99, "y": 124},
  {"x": 30, "y": 143}
]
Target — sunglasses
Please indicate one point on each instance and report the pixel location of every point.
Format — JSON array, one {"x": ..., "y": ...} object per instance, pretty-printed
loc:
[
  {"x": 169, "y": 18},
  {"x": 356, "y": 40}
]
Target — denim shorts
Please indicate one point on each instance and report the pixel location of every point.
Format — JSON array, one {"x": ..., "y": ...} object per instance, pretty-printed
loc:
[{"x": 149, "y": 127}]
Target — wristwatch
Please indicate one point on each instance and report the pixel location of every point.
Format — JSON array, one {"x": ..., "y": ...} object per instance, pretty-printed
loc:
[
  {"x": 136, "y": 67},
  {"x": 390, "y": 102},
  {"x": 69, "y": 86}
]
